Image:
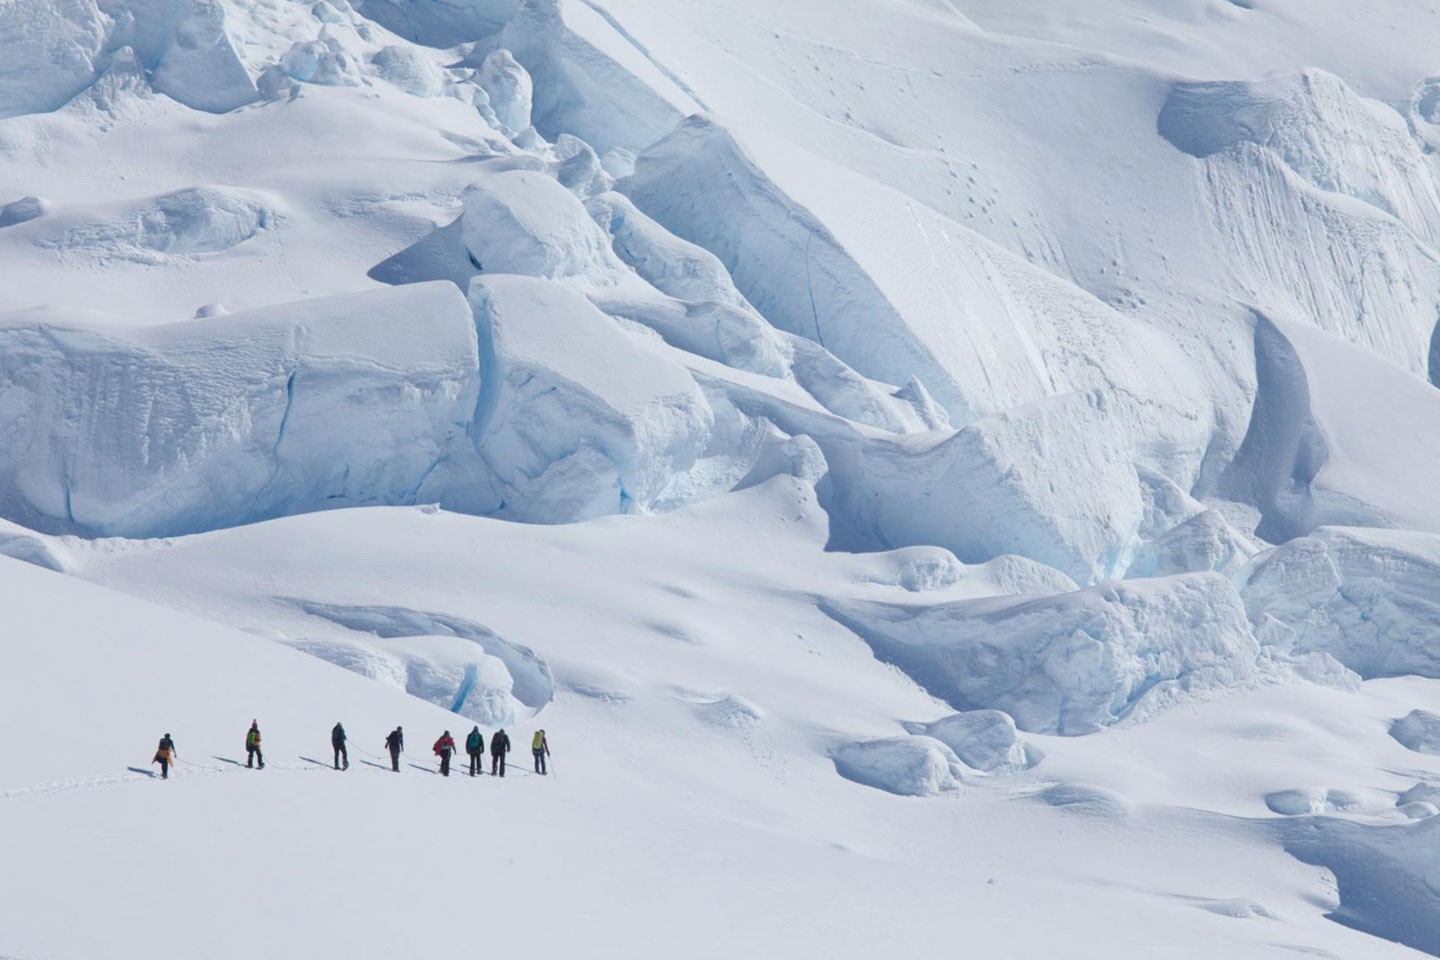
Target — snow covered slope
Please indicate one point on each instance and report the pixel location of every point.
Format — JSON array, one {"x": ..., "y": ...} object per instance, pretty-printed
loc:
[{"x": 948, "y": 474}]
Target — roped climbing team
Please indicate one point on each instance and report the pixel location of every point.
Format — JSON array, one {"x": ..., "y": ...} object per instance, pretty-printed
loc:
[{"x": 444, "y": 748}]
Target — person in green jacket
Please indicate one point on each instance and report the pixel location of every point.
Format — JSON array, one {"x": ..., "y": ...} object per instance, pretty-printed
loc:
[
  {"x": 540, "y": 747},
  {"x": 252, "y": 746},
  {"x": 475, "y": 748}
]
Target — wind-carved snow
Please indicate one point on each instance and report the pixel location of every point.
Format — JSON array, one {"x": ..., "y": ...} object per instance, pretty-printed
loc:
[{"x": 452, "y": 662}]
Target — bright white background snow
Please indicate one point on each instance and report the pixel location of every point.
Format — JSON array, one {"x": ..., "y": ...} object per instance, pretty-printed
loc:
[{"x": 949, "y": 475}]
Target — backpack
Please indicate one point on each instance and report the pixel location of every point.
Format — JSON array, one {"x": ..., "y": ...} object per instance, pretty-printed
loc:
[
  {"x": 475, "y": 743},
  {"x": 538, "y": 743}
]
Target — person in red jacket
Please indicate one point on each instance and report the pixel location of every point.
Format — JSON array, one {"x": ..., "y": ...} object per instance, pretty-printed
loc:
[{"x": 444, "y": 747}]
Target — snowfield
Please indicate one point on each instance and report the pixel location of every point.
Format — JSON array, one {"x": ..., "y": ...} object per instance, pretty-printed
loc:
[{"x": 948, "y": 476}]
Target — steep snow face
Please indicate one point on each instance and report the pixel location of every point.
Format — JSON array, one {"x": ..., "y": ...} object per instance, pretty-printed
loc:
[
  {"x": 1072, "y": 663},
  {"x": 1325, "y": 201},
  {"x": 1314, "y": 455},
  {"x": 886, "y": 284},
  {"x": 214, "y": 422}
]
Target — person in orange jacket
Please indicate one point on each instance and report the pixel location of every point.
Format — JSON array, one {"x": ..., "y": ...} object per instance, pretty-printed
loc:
[
  {"x": 444, "y": 747},
  {"x": 165, "y": 756}
]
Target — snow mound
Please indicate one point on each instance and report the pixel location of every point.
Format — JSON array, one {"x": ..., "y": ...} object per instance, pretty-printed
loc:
[
  {"x": 577, "y": 419},
  {"x": 1297, "y": 803},
  {"x": 1385, "y": 874},
  {"x": 1426, "y": 793},
  {"x": 908, "y": 766},
  {"x": 22, "y": 210},
  {"x": 523, "y": 222},
  {"x": 410, "y": 70},
  {"x": 348, "y": 400},
  {"x": 190, "y": 222},
  {"x": 22, "y": 544},
  {"x": 1073, "y": 663},
  {"x": 1086, "y": 800},
  {"x": 321, "y": 61},
  {"x": 1418, "y": 730},
  {"x": 985, "y": 740},
  {"x": 1238, "y": 908},
  {"x": 1369, "y": 598},
  {"x": 728, "y": 712}
]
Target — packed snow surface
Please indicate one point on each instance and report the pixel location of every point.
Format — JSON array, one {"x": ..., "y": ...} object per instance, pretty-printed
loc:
[{"x": 946, "y": 474}]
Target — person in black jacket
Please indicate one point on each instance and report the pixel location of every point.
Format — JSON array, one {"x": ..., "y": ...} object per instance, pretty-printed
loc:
[
  {"x": 165, "y": 755},
  {"x": 395, "y": 743},
  {"x": 499, "y": 746},
  {"x": 475, "y": 748},
  {"x": 337, "y": 743}
]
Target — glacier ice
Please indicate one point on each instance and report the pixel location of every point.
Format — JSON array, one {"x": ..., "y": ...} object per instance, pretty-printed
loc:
[
  {"x": 1071, "y": 663},
  {"x": 1203, "y": 542},
  {"x": 509, "y": 88},
  {"x": 1368, "y": 598},
  {"x": 338, "y": 401},
  {"x": 52, "y": 51},
  {"x": 576, "y": 419}
]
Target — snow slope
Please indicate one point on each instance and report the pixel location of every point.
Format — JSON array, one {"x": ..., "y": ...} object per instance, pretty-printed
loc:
[{"x": 947, "y": 474}]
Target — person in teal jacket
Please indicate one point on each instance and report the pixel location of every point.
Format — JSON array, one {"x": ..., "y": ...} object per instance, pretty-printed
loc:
[{"x": 475, "y": 749}]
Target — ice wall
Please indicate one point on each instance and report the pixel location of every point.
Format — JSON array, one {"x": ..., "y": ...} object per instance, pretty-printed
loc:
[{"x": 207, "y": 423}]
